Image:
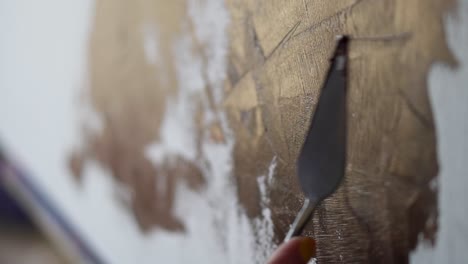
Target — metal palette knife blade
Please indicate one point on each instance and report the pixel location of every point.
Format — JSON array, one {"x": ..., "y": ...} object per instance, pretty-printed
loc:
[{"x": 321, "y": 162}]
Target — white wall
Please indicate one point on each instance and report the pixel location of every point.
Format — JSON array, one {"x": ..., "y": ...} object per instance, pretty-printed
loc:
[{"x": 449, "y": 95}]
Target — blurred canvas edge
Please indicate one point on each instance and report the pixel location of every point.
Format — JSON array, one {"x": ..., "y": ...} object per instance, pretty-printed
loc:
[{"x": 42, "y": 211}]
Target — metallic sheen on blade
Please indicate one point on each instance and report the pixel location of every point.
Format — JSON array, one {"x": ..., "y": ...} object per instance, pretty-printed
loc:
[{"x": 321, "y": 163}]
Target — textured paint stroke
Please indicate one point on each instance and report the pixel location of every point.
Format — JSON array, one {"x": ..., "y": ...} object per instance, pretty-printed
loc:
[
  {"x": 211, "y": 215},
  {"x": 214, "y": 214},
  {"x": 263, "y": 224},
  {"x": 194, "y": 129},
  {"x": 382, "y": 206},
  {"x": 145, "y": 142}
]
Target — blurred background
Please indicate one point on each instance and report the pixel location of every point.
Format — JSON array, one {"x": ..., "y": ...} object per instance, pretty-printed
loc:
[{"x": 21, "y": 240}]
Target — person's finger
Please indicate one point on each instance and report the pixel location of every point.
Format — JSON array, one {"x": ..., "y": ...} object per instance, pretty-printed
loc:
[{"x": 298, "y": 250}]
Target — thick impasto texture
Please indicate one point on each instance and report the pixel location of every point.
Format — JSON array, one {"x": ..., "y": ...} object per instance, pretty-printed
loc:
[{"x": 203, "y": 106}]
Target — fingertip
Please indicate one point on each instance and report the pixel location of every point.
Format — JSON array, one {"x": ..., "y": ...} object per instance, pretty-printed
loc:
[
  {"x": 307, "y": 248},
  {"x": 298, "y": 250}
]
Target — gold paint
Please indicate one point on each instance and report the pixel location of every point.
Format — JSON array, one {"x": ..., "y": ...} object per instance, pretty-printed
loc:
[
  {"x": 130, "y": 94},
  {"x": 216, "y": 133},
  {"x": 274, "y": 19},
  {"x": 243, "y": 97},
  {"x": 279, "y": 55},
  {"x": 391, "y": 136}
]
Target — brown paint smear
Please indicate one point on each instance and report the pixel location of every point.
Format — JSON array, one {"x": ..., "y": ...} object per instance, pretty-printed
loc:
[
  {"x": 279, "y": 52},
  {"x": 130, "y": 94}
]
